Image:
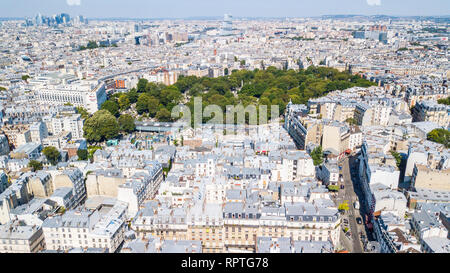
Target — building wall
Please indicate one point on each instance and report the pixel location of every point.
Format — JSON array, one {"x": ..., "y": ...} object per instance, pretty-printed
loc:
[
  {"x": 103, "y": 185},
  {"x": 34, "y": 244},
  {"x": 331, "y": 138},
  {"x": 426, "y": 178}
]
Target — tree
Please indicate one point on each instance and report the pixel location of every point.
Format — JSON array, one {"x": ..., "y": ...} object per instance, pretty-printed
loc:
[
  {"x": 152, "y": 106},
  {"x": 351, "y": 121},
  {"x": 82, "y": 154},
  {"x": 112, "y": 106},
  {"x": 445, "y": 101},
  {"x": 142, "y": 103},
  {"x": 92, "y": 45},
  {"x": 101, "y": 126},
  {"x": 344, "y": 206},
  {"x": 398, "y": 158},
  {"x": 35, "y": 165},
  {"x": 164, "y": 115},
  {"x": 124, "y": 102},
  {"x": 83, "y": 112},
  {"x": 333, "y": 188},
  {"x": 317, "y": 156},
  {"x": 52, "y": 154},
  {"x": 133, "y": 95},
  {"x": 126, "y": 123},
  {"x": 25, "y": 77},
  {"x": 142, "y": 85},
  {"x": 92, "y": 150},
  {"x": 441, "y": 136}
]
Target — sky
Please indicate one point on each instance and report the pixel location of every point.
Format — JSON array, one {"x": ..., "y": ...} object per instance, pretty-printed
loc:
[{"x": 209, "y": 8}]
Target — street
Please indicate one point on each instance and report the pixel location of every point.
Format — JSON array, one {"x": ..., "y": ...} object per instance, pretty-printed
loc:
[{"x": 352, "y": 193}]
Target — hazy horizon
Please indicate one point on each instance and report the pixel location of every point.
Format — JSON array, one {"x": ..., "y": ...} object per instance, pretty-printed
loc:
[{"x": 181, "y": 9}]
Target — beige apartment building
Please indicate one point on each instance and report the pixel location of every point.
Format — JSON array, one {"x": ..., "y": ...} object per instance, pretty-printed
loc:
[
  {"x": 104, "y": 183},
  {"x": 424, "y": 177},
  {"x": 431, "y": 111},
  {"x": 239, "y": 227}
]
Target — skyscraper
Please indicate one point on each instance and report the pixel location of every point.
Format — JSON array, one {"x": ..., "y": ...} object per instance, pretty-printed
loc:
[{"x": 227, "y": 25}]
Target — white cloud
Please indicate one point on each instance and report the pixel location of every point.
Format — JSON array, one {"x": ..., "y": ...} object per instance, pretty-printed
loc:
[
  {"x": 374, "y": 2},
  {"x": 73, "y": 2}
]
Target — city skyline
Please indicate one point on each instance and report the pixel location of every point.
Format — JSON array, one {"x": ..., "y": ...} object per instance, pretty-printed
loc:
[{"x": 175, "y": 9}]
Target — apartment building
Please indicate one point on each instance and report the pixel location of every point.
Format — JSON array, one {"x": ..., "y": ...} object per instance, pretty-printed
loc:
[
  {"x": 17, "y": 238},
  {"x": 102, "y": 228},
  {"x": 432, "y": 111},
  {"x": 90, "y": 95},
  {"x": 64, "y": 123}
]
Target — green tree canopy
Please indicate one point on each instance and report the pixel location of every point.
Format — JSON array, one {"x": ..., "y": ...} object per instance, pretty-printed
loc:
[
  {"x": 351, "y": 121},
  {"x": 35, "y": 165},
  {"x": 124, "y": 102},
  {"x": 142, "y": 83},
  {"x": 83, "y": 112},
  {"x": 164, "y": 115},
  {"x": 445, "y": 101},
  {"x": 133, "y": 95},
  {"x": 317, "y": 155},
  {"x": 52, "y": 154},
  {"x": 112, "y": 106},
  {"x": 101, "y": 126},
  {"x": 441, "y": 136},
  {"x": 126, "y": 123},
  {"x": 82, "y": 154},
  {"x": 142, "y": 103},
  {"x": 398, "y": 158},
  {"x": 152, "y": 106}
]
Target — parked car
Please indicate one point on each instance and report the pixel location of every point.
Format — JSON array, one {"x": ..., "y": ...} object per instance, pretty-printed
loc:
[{"x": 359, "y": 220}]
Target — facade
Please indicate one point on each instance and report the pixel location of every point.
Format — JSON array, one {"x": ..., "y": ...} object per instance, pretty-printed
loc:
[
  {"x": 17, "y": 134},
  {"x": 41, "y": 185},
  {"x": 72, "y": 178},
  {"x": 424, "y": 177},
  {"x": 86, "y": 229},
  {"x": 3, "y": 181},
  {"x": 90, "y": 95},
  {"x": 16, "y": 238},
  {"x": 4, "y": 145},
  {"x": 140, "y": 187},
  {"x": 239, "y": 226},
  {"x": 431, "y": 111},
  {"x": 38, "y": 132},
  {"x": 72, "y": 124}
]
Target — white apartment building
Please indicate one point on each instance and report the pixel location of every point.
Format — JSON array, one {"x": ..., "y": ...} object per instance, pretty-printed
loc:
[
  {"x": 140, "y": 187},
  {"x": 86, "y": 229},
  {"x": 72, "y": 124},
  {"x": 38, "y": 131},
  {"x": 90, "y": 95},
  {"x": 294, "y": 166},
  {"x": 15, "y": 238}
]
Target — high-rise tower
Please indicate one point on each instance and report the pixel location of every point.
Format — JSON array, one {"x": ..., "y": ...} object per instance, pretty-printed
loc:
[{"x": 227, "y": 25}]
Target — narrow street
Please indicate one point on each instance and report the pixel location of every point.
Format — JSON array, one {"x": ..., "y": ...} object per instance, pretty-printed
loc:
[
  {"x": 350, "y": 195},
  {"x": 355, "y": 178}
]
